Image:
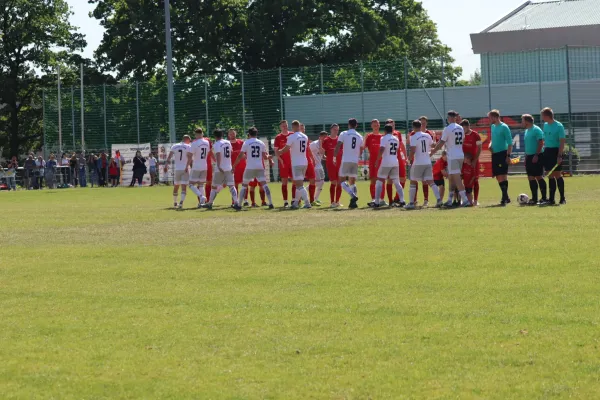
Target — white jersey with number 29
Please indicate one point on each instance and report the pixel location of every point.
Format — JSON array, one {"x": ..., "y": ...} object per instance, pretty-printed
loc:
[
  {"x": 255, "y": 150},
  {"x": 180, "y": 155},
  {"x": 422, "y": 143},
  {"x": 352, "y": 142},
  {"x": 224, "y": 148},
  {"x": 391, "y": 147},
  {"x": 453, "y": 137},
  {"x": 298, "y": 143}
]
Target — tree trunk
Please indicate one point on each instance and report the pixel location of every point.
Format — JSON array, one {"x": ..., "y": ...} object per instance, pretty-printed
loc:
[{"x": 13, "y": 133}]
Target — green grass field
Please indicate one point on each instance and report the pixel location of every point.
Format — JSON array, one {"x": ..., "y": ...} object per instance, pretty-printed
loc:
[{"x": 109, "y": 294}]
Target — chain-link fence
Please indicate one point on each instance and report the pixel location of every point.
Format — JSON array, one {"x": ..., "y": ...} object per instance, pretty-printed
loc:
[{"x": 568, "y": 80}]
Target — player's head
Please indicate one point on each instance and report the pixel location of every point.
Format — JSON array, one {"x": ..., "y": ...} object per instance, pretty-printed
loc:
[
  {"x": 494, "y": 116},
  {"x": 283, "y": 125},
  {"x": 444, "y": 155},
  {"x": 253, "y": 132},
  {"x": 375, "y": 125},
  {"x": 231, "y": 134},
  {"x": 391, "y": 122},
  {"x": 352, "y": 123},
  {"x": 186, "y": 139},
  {"x": 322, "y": 136},
  {"x": 466, "y": 125},
  {"x": 296, "y": 125},
  {"x": 302, "y": 128},
  {"x": 424, "y": 121},
  {"x": 334, "y": 129},
  {"x": 547, "y": 115},
  {"x": 416, "y": 124},
  {"x": 527, "y": 120},
  {"x": 389, "y": 129},
  {"x": 218, "y": 134},
  {"x": 452, "y": 116},
  {"x": 199, "y": 133}
]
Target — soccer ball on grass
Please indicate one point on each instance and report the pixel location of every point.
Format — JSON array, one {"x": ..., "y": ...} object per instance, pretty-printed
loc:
[{"x": 523, "y": 199}]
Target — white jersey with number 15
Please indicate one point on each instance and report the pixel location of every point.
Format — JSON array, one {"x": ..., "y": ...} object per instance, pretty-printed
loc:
[
  {"x": 298, "y": 143},
  {"x": 180, "y": 155}
]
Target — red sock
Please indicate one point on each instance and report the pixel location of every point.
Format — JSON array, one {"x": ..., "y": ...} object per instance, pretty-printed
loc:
[
  {"x": 332, "y": 193},
  {"x": 390, "y": 192},
  {"x": 284, "y": 192},
  {"x": 293, "y": 192},
  {"x": 311, "y": 192},
  {"x": 338, "y": 193},
  {"x": 372, "y": 191},
  {"x": 246, "y": 197},
  {"x": 207, "y": 190},
  {"x": 252, "y": 194},
  {"x": 476, "y": 190},
  {"x": 416, "y": 194},
  {"x": 262, "y": 195},
  {"x": 426, "y": 191}
]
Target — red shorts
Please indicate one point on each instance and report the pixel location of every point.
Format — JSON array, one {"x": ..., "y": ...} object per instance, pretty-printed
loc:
[
  {"x": 238, "y": 175},
  {"x": 478, "y": 171},
  {"x": 373, "y": 169},
  {"x": 209, "y": 172},
  {"x": 254, "y": 183},
  {"x": 310, "y": 172},
  {"x": 402, "y": 169},
  {"x": 333, "y": 171},
  {"x": 285, "y": 172}
]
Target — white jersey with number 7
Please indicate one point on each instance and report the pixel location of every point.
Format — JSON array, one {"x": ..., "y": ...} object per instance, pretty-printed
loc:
[
  {"x": 352, "y": 142},
  {"x": 180, "y": 155}
]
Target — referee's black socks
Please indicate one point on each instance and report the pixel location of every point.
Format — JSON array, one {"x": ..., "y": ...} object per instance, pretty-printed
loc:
[
  {"x": 561, "y": 187},
  {"x": 543, "y": 188},
  {"x": 504, "y": 188},
  {"x": 552, "y": 189},
  {"x": 533, "y": 185}
]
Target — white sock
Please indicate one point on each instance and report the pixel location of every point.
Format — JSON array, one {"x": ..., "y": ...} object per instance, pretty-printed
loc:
[
  {"x": 399, "y": 189},
  {"x": 450, "y": 195},
  {"x": 354, "y": 190},
  {"x": 412, "y": 193},
  {"x": 242, "y": 195},
  {"x": 463, "y": 196},
  {"x": 202, "y": 190},
  {"x": 298, "y": 195},
  {"x": 319, "y": 189},
  {"x": 348, "y": 189},
  {"x": 195, "y": 190},
  {"x": 436, "y": 191},
  {"x": 304, "y": 194},
  {"x": 378, "y": 190},
  {"x": 219, "y": 188},
  {"x": 175, "y": 199},
  {"x": 182, "y": 197},
  {"x": 268, "y": 193},
  {"x": 234, "y": 194},
  {"x": 213, "y": 195}
]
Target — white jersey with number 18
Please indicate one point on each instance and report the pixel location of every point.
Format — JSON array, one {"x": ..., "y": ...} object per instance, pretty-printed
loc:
[
  {"x": 391, "y": 147},
  {"x": 352, "y": 142},
  {"x": 223, "y": 147},
  {"x": 422, "y": 143},
  {"x": 180, "y": 155}
]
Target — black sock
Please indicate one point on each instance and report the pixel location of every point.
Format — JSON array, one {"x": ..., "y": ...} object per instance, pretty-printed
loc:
[
  {"x": 543, "y": 188},
  {"x": 501, "y": 184},
  {"x": 533, "y": 185},
  {"x": 552, "y": 189},
  {"x": 505, "y": 190},
  {"x": 561, "y": 187}
]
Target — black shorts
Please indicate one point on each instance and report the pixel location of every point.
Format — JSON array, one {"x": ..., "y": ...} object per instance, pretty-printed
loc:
[
  {"x": 440, "y": 182},
  {"x": 499, "y": 165},
  {"x": 550, "y": 158},
  {"x": 536, "y": 169}
]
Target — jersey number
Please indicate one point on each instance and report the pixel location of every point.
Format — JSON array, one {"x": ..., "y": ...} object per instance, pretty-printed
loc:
[
  {"x": 353, "y": 142},
  {"x": 302, "y": 147},
  {"x": 423, "y": 146},
  {"x": 255, "y": 151},
  {"x": 458, "y": 140},
  {"x": 226, "y": 152},
  {"x": 202, "y": 154},
  {"x": 393, "y": 149},
  {"x": 180, "y": 155}
]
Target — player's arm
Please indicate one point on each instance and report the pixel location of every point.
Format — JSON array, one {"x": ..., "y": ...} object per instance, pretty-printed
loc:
[
  {"x": 509, "y": 141},
  {"x": 218, "y": 160},
  {"x": 168, "y": 161},
  {"x": 239, "y": 158},
  {"x": 190, "y": 158},
  {"x": 445, "y": 172},
  {"x": 479, "y": 149},
  {"x": 539, "y": 149},
  {"x": 338, "y": 146},
  {"x": 561, "y": 146},
  {"x": 283, "y": 151},
  {"x": 413, "y": 150}
]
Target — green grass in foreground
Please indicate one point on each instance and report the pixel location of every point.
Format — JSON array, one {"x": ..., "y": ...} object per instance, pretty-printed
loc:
[{"x": 106, "y": 293}]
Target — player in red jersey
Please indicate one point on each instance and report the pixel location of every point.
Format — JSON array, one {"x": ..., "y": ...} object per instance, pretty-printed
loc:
[
  {"x": 333, "y": 169},
  {"x": 402, "y": 162},
  {"x": 285, "y": 162},
  {"x": 236, "y": 149},
  {"x": 440, "y": 171},
  {"x": 472, "y": 145},
  {"x": 372, "y": 142}
]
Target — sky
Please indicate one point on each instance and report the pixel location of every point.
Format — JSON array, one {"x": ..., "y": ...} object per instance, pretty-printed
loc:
[{"x": 471, "y": 16}]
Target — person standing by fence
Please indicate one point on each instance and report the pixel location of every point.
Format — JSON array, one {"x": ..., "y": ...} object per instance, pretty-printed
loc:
[
  {"x": 102, "y": 166},
  {"x": 152, "y": 165},
  {"x": 81, "y": 172},
  {"x": 139, "y": 169},
  {"x": 11, "y": 173},
  {"x": 29, "y": 172},
  {"x": 73, "y": 170},
  {"x": 40, "y": 165},
  {"x": 51, "y": 172}
]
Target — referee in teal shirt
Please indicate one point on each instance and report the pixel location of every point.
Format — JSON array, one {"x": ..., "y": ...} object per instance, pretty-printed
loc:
[
  {"x": 501, "y": 147},
  {"x": 534, "y": 160},
  {"x": 554, "y": 138}
]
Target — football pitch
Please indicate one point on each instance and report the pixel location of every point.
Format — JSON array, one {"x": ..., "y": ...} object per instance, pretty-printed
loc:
[{"x": 111, "y": 294}]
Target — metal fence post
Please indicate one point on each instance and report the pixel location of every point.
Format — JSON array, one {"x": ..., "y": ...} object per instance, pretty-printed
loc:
[
  {"x": 243, "y": 103},
  {"x": 539, "y": 52},
  {"x": 489, "y": 75},
  {"x": 406, "y": 98},
  {"x": 82, "y": 111},
  {"x": 571, "y": 127},
  {"x": 44, "y": 123},
  {"x": 59, "y": 112},
  {"x": 137, "y": 110},
  {"x": 362, "y": 94},
  {"x": 443, "y": 87},
  {"x": 281, "y": 93},
  {"x": 73, "y": 114},
  {"x": 206, "y": 103},
  {"x": 104, "y": 112},
  {"x": 322, "y": 95}
]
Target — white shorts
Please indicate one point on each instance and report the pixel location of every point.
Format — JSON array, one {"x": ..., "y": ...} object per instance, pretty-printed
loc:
[
  {"x": 181, "y": 178},
  {"x": 198, "y": 176},
  {"x": 319, "y": 174},
  {"x": 349, "y": 169},
  {"x": 298, "y": 173},
  {"x": 455, "y": 166},
  {"x": 223, "y": 178},
  {"x": 421, "y": 173},
  {"x": 251, "y": 174},
  {"x": 392, "y": 173}
]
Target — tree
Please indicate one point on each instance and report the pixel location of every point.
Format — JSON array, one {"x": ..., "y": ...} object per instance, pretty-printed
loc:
[{"x": 36, "y": 36}]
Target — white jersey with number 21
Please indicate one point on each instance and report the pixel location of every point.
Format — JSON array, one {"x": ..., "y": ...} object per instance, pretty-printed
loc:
[{"x": 180, "y": 155}]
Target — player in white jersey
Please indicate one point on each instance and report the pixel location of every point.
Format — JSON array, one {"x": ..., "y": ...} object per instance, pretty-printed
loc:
[
  {"x": 389, "y": 168},
  {"x": 317, "y": 152},
  {"x": 179, "y": 152},
  {"x": 255, "y": 152},
  {"x": 197, "y": 161},
  {"x": 421, "y": 169},
  {"x": 223, "y": 174},
  {"x": 453, "y": 137},
  {"x": 353, "y": 147},
  {"x": 297, "y": 143}
]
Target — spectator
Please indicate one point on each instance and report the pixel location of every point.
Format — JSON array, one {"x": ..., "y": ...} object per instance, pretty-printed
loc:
[
  {"x": 11, "y": 173},
  {"x": 73, "y": 169},
  {"x": 120, "y": 163},
  {"x": 40, "y": 165},
  {"x": 152, "y": 164},
  {"x": 29, "y": 169},
  {"x": 64, "y": 162},
  {"x": 92, "y": 168},
  {"x": 102, "y": 166},
  {"x": 51, "y": 172},
  {"x": 113, "y": 172},
  {"x": 139, "y": 169},
  {"x": 81, "y": 161}
]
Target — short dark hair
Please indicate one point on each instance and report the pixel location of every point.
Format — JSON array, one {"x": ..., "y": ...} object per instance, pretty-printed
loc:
[
  {"x": 187, "y": 137},
  {"x": 323, "y": 133},
  {"x": 548, "y": 112},
  {"x": 352, "y": 123},
  {"x": 465, "y": 122},
  {"x": 528, "y": 118},
  {"x": 218, "y": 134},
  {"x": 417, "y": 124},
  {"x": 253, "y": 132},
  {"x": 423, "y": 118},
  {"x": 452, "y": 113},
  {"x": 283, "y": 121},
  {"x": 389, "y": 129},
  {"x": 199, "y": 131},
  {"x": 494, "y": 113},
  {"x": 334, "y": 126}
]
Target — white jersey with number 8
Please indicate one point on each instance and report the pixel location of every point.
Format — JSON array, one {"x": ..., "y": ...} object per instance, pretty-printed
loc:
[
  {"x": 255, "y": 150},
  {"x": 352, "y": 142},
  {"x": 224, "y": 148},
  {"x": 298, "y": 143},
  {"x": 391, "y": 147},
  {"x": 422, "y": 143},
  {"x": 180, "y": 155}
]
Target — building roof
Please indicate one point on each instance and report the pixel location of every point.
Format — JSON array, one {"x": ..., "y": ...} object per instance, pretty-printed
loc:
[{"x": 549, "y": 14}]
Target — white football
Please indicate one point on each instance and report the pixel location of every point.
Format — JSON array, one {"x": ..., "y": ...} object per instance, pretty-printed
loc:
[{"x": 523, "y": 199}]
